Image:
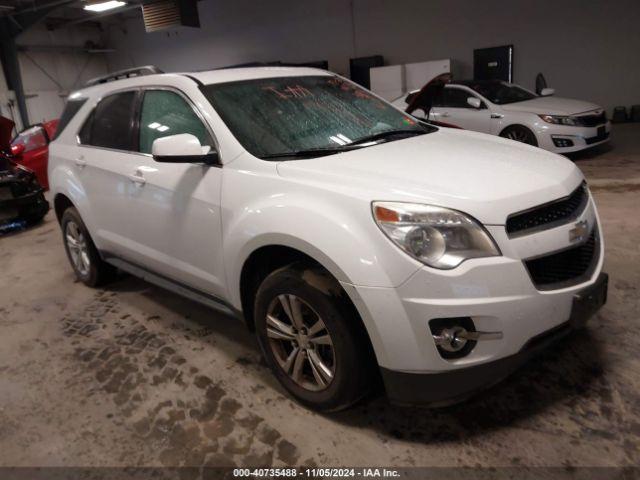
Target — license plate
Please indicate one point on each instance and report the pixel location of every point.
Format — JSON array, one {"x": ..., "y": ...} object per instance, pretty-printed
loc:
[{"x": 588, "y": 301}]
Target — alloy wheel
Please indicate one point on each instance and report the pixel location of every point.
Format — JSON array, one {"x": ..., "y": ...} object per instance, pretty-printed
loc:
[
  {"x": 300, "y": 342},
  {"x": 519, "y": 135},
  {"x": 78, "y": 248}
]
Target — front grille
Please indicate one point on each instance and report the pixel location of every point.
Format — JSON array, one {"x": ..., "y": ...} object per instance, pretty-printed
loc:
[
  {"x": 591, "y": 120},
  {"x": 548, "y": 215},
  {"x": 565, "y": 268}
]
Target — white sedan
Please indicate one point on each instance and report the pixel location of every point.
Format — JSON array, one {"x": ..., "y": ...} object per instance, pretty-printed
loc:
[{"x": 559, "y": 125}]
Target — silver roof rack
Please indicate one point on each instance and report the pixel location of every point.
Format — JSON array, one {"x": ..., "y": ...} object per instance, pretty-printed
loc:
[{"x": 120, "y": 74}]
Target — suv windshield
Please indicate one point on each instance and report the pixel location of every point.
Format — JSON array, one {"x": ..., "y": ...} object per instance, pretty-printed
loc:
[
  {"x": 291, "y": 116},
  {"x": 501, "y": 92}
]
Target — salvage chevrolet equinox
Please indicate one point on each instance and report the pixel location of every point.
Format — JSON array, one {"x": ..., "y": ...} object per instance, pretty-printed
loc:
[{"x": 357, "y": 242}]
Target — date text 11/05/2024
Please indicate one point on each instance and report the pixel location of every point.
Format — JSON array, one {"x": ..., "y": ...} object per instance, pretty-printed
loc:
[{"x": 316, "y": 472}]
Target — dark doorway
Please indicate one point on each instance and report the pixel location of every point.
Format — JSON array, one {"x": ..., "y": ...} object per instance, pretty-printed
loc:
[
  {"x": 360, "y": 68},
  {"x": 495, "y": 63}
]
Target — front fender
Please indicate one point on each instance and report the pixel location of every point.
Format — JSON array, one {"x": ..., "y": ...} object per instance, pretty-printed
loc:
[{"x": 340, "y": 234}]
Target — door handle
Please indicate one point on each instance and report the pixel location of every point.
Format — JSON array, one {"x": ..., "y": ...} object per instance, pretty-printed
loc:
[
  {"x": 497, "y": 115},
  {"x": 136, "y": 178},
  {"x": 81, "y": 162}
]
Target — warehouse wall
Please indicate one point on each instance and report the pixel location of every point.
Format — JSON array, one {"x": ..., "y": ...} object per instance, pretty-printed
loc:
[
  {"x": 242, "y": 31},
  {"x": 586, "y": 49},
  {"x": 53, "y": 66}
]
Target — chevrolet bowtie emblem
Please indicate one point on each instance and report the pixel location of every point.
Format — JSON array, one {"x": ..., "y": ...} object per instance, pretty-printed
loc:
[{"x": 579, "y": 231}]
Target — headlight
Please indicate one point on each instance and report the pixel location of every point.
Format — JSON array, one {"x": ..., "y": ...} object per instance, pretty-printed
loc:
[
  {"x": 436, "y": 236},
  {"x": 559, "y": 120}
]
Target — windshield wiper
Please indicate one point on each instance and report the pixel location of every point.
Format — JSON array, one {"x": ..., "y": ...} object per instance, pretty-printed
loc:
[
  {"x": 387, "y": 134},
  {"x": 312, "y": 152},
  {"x": 360, "y": 143}
]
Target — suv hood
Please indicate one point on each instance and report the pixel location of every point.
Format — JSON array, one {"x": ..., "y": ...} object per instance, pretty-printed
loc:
[
  {"x": 551, "y": 106},
  {"x": 485, "y": 176}
]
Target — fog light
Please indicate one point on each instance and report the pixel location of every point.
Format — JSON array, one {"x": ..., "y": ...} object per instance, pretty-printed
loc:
[
  {"x": 562, "y": 142},
  {"x": 448, "y": 335},
  {"x": 451, "y": 339},
  {"x": 457, "y": 337}
]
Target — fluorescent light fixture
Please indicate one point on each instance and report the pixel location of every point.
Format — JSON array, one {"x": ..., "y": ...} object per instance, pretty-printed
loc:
[{"x": 102, "y": 6}]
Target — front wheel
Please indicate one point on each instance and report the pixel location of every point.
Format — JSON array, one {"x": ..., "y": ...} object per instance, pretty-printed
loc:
[
  {"x": 520, "y": 134},
  {"x": 311, "y": 340}
]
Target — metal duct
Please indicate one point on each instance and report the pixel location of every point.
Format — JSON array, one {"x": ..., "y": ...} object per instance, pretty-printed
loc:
[{"x": 163, "y": 14}]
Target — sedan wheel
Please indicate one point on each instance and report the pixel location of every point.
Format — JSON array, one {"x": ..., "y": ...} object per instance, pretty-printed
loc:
[
  {"x": 300, "y": 342},
  {"x": 520, "y": 134}
]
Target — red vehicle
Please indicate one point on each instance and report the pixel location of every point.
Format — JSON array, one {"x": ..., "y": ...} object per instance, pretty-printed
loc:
[
  {"x": 22, "y": 201},
  {"x": 31, "y": 149}
]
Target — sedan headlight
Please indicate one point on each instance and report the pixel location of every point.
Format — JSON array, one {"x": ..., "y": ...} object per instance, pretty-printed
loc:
[
  {"x": 559, "y": 120},
  {"x": 436, "y": 236}
]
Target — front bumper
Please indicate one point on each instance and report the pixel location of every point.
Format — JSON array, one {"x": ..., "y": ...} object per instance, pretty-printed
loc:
[
  {"x": 21, "y": 197},
  {"x": 438, "y": 389},
  {"x": 551, "y": 137},
  {"x": 498, "y": 294}
]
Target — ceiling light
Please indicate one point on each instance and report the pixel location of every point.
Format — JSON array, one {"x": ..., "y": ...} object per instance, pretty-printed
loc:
[{"x": 102, "y": 6}]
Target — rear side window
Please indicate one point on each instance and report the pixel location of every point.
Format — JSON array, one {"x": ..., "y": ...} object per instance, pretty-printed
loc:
[
  {"x": 166, "y": 113},
  {"x": 109, "y": 125},
  {"x": 70, "y": 110}
]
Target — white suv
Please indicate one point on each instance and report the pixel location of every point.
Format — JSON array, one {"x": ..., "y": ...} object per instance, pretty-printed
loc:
[{"x": 357, "y": 242}]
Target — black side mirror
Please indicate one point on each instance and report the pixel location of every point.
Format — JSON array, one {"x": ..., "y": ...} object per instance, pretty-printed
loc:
[
  {"x": 183, "y": 148},
  {"x": 211, "y": 158}
]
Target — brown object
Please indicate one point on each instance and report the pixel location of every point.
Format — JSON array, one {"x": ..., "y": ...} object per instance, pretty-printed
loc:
[{"x": 424, "y": 98}]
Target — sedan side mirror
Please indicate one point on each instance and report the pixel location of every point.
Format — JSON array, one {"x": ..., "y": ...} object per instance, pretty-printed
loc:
[
  {"x": 474, "y": 102},
  {"x": 183, "y": 148},
  {"x": 546, "y": 92}
]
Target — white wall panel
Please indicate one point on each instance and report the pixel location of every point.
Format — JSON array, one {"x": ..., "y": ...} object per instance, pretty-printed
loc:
[
  {"x": 418, "y": 74},
  {"x": 388, "y": 82}
]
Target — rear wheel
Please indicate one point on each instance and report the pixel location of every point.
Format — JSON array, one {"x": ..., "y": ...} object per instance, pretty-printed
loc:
[
  {"x": 310, "y": 340},
  {"x": 81, "y": 251},
  {"x": 521, "y": 134}
]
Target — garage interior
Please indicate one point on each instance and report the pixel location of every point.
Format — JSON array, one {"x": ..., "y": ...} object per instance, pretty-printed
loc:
[{"x": 132, "y": 375}]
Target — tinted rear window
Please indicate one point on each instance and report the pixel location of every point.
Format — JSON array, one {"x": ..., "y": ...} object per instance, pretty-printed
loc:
[
  {"x": 112, "y": 121},
  {"x": 70, "y": 110}
]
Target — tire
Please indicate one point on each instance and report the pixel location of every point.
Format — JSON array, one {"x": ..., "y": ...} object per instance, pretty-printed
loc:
[
  {"x": 346, "y": 355},
  {"x": 520, "y": 134},
  {"x": 84, "y": 258}
]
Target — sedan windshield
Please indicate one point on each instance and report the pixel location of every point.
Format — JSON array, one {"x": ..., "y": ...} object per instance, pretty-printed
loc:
[
  {"x": 501, "y": 93},
  {"x": 306, "y": 116}
]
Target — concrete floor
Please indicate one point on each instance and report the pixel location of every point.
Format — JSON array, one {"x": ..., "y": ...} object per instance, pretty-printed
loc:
[{"x": 133, "y": 375}]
